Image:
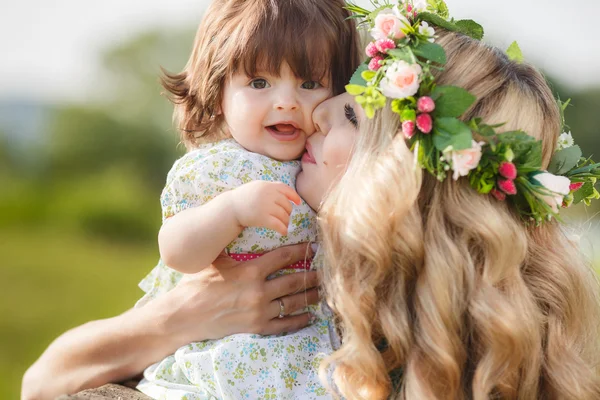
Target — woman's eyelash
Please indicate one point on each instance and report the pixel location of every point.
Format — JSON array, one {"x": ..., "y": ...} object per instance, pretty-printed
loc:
[{"x": 351, "y": 115}]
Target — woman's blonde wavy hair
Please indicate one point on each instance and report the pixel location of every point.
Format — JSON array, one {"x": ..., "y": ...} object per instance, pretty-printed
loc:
[{"x": 468, "y": 301}]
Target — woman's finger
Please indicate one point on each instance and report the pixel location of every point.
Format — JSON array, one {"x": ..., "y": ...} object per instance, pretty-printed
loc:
[
  {"x": 287, "y": 324},
  {"x": 282, "y": 257},
  {"x": 293, "y": 303},
  {"x": 291, "y": 284}
]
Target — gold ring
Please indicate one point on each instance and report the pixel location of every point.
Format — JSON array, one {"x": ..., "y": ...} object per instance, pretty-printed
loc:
[{"x": 281, "y": 309}]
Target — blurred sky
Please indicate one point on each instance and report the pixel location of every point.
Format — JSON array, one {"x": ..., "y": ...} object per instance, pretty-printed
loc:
[{"x": 49, "y": 49}]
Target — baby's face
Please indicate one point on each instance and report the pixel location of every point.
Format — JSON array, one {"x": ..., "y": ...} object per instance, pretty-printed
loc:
[{"x": 272, "y": 115}]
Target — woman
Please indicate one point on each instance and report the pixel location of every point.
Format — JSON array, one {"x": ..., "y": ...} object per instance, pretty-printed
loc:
[{"x": 431, "y": 279}]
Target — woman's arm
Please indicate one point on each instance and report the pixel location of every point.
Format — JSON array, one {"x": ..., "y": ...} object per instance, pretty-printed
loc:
[
  {"x": 192, "y": 239},
  {"x": 223, "y": 299}
]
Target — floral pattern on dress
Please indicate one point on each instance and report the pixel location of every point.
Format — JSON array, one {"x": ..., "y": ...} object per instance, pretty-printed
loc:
[
  {"x": 203, "y": 174},
  {"x": 242, "y": 366}
]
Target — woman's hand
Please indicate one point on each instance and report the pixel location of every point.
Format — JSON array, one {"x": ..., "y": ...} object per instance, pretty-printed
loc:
[
  {"x": 226, "y": 298},
  {"x": 234, "y": 297}
]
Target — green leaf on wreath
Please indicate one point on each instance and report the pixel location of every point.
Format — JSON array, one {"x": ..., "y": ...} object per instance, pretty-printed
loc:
[
  {"x": 404, "y": 54},
  {"x": 431, "y": 51},
  {"x": 451, "y": 101},
  {"x": 437, "y": 20},
  {"x": 450, "y": 132},
  {"x": 514, "y": 53},
  {"x": 357, "y": 78},
  {"x": 526, "y": 149},
  {"x": 565, "y": 160},
  {"x": 470, "y": 28},
  {"x": 587, "y": 190},
  {"x": 355, "y": 90}
]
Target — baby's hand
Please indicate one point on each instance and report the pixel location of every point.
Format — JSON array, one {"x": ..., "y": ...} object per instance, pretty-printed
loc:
[{"x": 264, "y": 204}]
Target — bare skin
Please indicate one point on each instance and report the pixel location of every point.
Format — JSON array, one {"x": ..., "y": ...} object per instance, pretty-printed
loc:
[{"x": 224, "y": 298}]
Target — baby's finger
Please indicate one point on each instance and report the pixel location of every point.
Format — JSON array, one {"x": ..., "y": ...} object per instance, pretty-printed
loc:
[
  {"x": 284, "y": 202},
  {"x": 280, "y": 213},
  {"x": 276, "y": 225},
  {"x": 290, "y": 193}
]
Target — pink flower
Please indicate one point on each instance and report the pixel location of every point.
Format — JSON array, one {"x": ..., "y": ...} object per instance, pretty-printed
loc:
[
  {"x": 463, "y": 161},
  {"x": 425, "y": 104},
  {"x": 507, "y": 186},
  {"x": 424, "y": 123},
  {"x": 401, "y": 80},
  {"x": 375, "y": 63},
  {"x": 573, "y": 187},
  {"x": 383, "y": 45},
  {"x": 500, "y": 196},
  {"x": 371, "y": 50},
  {"x": 508, "y": 170},
  {"x": 389, "y": 25},
  {"x": 408, "y": 129}
]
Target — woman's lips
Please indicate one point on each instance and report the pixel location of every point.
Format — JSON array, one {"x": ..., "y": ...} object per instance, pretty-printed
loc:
[{"x": 308, "y": 157}]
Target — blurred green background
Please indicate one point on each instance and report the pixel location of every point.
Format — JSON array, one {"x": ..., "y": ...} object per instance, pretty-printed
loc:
[{"x": 80, "y": 180}]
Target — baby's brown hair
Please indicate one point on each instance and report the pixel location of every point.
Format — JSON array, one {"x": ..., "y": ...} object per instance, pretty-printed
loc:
[{"x": 315, "y": 37}]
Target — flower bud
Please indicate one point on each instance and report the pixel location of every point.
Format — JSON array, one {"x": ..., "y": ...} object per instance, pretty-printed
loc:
[
  {"x": 408, "y": 129},
  {"x": 507, "y": 186},
  {"x": 424, "y": 123},
  {"x": 425, "y": 104},
  {"x": 508, "y": 170}
]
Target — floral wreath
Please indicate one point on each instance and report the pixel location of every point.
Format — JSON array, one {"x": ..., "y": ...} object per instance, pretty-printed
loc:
[{"x": 507, "y": 166}]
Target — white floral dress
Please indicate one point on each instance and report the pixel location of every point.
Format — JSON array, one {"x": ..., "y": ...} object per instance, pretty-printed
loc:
[{"x": 242, "y": 366}]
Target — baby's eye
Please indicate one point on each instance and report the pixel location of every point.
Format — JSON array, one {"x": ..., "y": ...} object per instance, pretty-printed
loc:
[
  {"x": 259, "y": 84},
  {"x": 311, "y": 85}
]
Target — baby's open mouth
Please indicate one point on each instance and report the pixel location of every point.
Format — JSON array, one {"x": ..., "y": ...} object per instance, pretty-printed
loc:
[{"x": 283, "y": 128}]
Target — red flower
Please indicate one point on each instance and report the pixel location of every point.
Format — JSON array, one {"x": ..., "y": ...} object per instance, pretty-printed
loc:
[
  {"x": 408, "y": 129},
  {"x": 508, "y": 170},
  {"x": 374, "y": 64},
  {"x": 424, "y": 123},
  {"x": 507, "y": 186},
  {"x": 573, "y": 187},
  {"x": 371, "y": 50},
  {"x": 498, "y": 195},
  {"x": 425, "y": 104}
]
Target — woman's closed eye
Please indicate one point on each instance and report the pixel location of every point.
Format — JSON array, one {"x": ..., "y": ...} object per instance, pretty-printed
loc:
[
  {"x": 259, "y": 83},
  {"x": 350, "y": 115}
]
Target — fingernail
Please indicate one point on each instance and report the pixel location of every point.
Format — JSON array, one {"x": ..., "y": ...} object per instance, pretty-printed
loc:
[
  {"x": 314, "y": 247},
  {"x": 312, "y": 319}
]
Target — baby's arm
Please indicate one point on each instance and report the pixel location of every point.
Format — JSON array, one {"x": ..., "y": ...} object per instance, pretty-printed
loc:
[{"x": 192, "y": 239}]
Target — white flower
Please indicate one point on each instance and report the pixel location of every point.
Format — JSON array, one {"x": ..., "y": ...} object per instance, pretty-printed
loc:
[
  {"x": 389, "y": 24},
  {"x": 401, "y": 80},
  {"x": 418, "y": 5},
  {"x": 558, "y": 186},
  {"x": 565, "y": 140},
  {"x": 463, "y": 161},
  {"x": 426, "y": 30}
]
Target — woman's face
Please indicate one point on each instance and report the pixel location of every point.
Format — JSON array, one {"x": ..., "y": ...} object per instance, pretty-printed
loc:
[{"x": 328, "y": 150}]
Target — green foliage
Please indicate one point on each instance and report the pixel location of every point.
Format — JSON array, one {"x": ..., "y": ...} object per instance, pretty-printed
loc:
[
  {"x": 450, "y": 132},
  {"x": 357, "y": 78},
  {"x": 514, "y": 53},
  {"x": 565, "y": 160},
  {"x": 430, "y": 51},
  {"x": 451, "y": 101}
]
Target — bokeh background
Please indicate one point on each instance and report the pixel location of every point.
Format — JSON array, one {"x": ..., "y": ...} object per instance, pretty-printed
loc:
[{"x": 86, "y": 141}]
